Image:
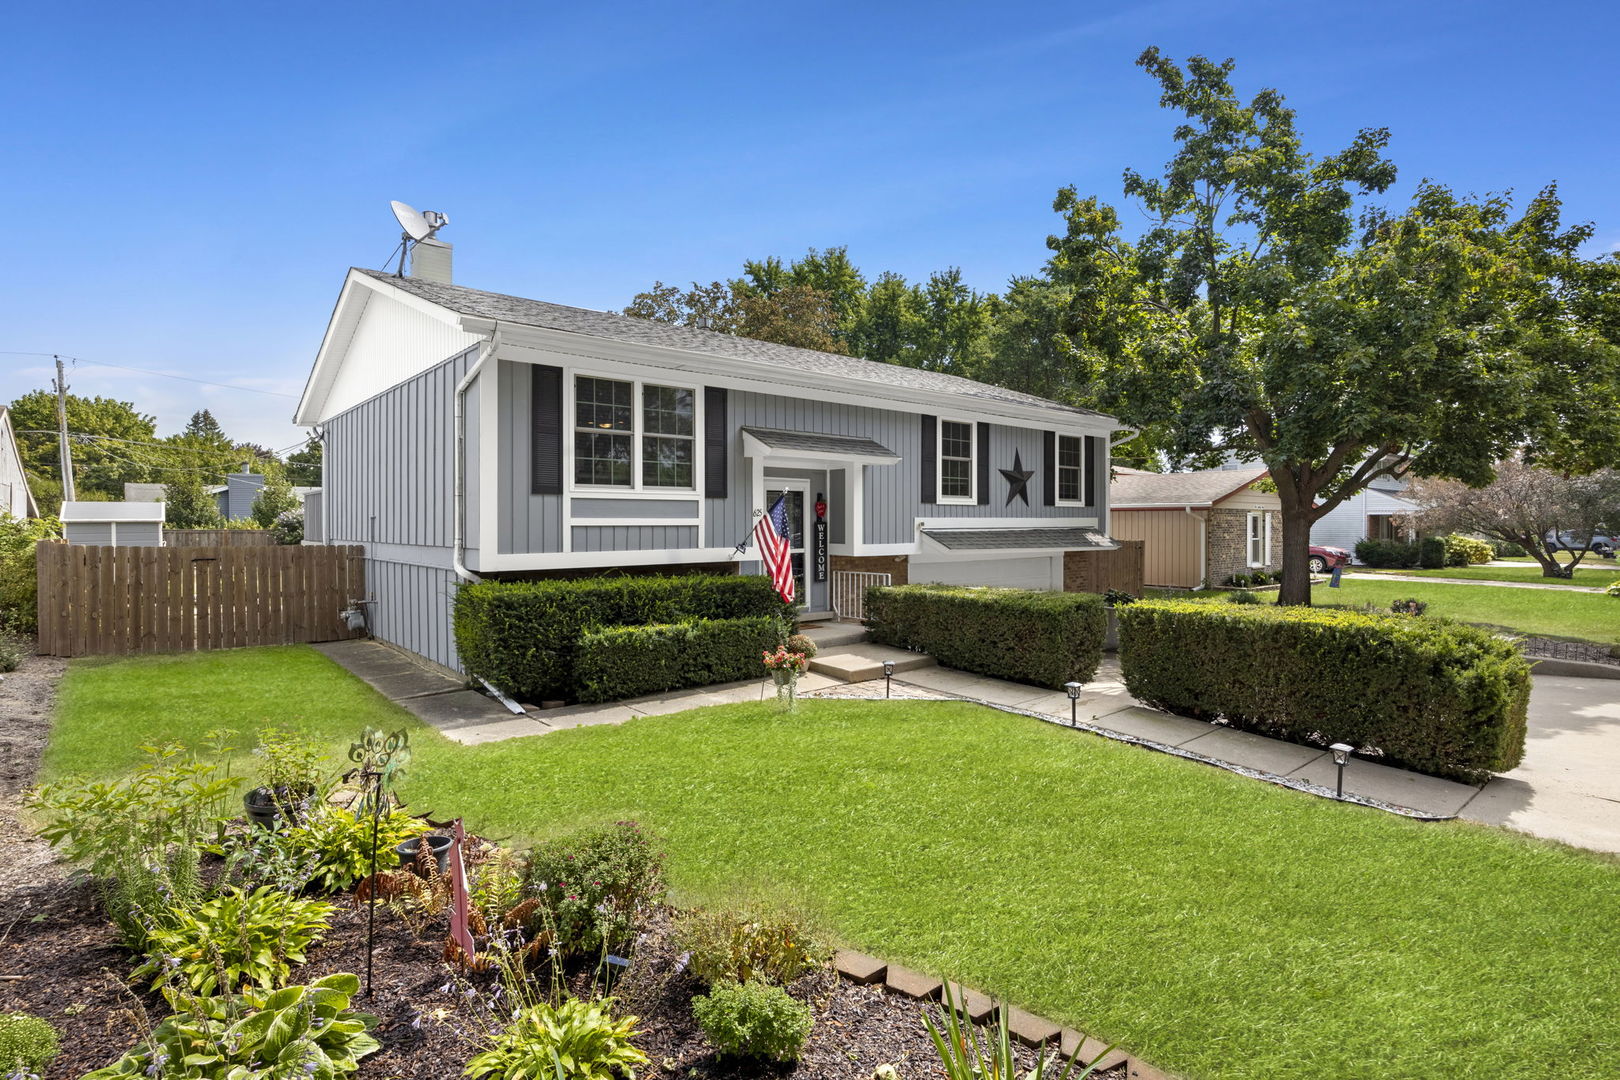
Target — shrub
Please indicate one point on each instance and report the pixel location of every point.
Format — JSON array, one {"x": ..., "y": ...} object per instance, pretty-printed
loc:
[
  {"x": 1387, "y": 554},
  {"x": 290, "y": 768},
  {"x": 235, "y": 940},
  {"x": 13, "y": 651},
  {"x": 140, "y": 838},
  {"x": 753, "y": 1019},
  {"x": 523, "y": 636},
  {"x": 27, "y": 1044},
  {"x": 577, "y": 1040},
  {"x": 1441, "y": 698},
  {"x": 1466, "y": 551},
  {"x": 629, "y": 661},
  {"x": 802, "y": 644},
  {"x": 19, "y": 577},
  {"x": 258, "y": 1035},
  {"x": 1613, "y": 588},
  {"x": 288, "y": 528},
  {"x": 1411, "y": 605},
  {"x": 590, "y": 887},
  {"x": 739, "y": 946},
  {"x": 1242, "y": 596},
  {"x": 1044, "y": 638},
  {"x": 1507, "y": 549},
  {"x": 1431, "y": 553},
  {"x": 340, "y": 843}
]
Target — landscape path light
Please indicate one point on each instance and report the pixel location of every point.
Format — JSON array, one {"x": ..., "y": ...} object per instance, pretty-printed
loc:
[
  {"x": 1341, "y": 757},
  {"x": 888, "y": 676},
  {"x": 1074, "y": 702}
]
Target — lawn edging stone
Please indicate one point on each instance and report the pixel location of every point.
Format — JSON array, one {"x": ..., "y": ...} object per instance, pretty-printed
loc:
[
  {"x": 858, "y": 967},
  {"x": 912, "y": 984}
]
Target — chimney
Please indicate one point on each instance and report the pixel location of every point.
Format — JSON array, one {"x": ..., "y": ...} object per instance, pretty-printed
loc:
[{"x": 430, "y": 261}]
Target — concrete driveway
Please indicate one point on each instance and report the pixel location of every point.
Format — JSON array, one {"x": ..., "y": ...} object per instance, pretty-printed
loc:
[{"x": 1569, "y": 785}]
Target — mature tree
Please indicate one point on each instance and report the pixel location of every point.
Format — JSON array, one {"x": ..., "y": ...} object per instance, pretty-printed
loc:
[
  {"x": 1251, "y": 317},
  {"x": 797, "y": 315},
  {"x": 1525, "y": 504},
  {"x": 111, "y": 445},
  {"x": 274, "y": 499},
  {"x": 708, "y": 307},
  {"x": 187, "y": 504},
  {"x": 204, "y": 429},
  {"x": 304, "y": 465}
]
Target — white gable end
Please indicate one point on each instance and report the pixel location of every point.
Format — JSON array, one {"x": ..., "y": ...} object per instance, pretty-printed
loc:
[{"x": 376, "y": 341}]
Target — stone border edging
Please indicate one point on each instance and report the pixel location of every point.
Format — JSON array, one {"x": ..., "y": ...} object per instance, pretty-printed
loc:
[
  {"x": 979, "y": 1008},
  {"x": 1189, "y": 755}
]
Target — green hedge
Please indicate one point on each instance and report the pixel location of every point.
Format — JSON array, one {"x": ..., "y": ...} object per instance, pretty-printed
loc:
[
  {"x": 1387, "y": 554},
  {"x": 1044, "y": 638},
  {"x": 1440, "y": 698},
  {"x": 629, "y": 661},
  {"x": 523, "y": 636}
]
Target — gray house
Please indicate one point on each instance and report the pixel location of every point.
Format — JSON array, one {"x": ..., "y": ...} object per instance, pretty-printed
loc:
[{"x": 470, "y": 434}]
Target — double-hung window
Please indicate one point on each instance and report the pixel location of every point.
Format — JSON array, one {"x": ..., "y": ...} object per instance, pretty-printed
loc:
[
  {"x": 612, "y": 434},
  {"x": 1259, "y": 538},
  {"x": 955, "y": 461},
  {"x": 1071, "y": 469}
]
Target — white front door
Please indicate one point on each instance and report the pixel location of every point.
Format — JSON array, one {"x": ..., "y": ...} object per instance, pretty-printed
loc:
[{"x": 795, "y": 494}]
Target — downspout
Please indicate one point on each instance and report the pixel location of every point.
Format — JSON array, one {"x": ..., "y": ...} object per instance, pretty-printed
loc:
[
  {"x": 1203, "y": 547},
  {"x": 458, "y": 512}
]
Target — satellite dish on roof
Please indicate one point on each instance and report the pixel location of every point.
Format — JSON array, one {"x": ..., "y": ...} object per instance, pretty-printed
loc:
[{"x": 417, "y": 226}]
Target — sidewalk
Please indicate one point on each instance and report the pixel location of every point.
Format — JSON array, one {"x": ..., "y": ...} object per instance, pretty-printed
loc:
[{"x": 1470, "y": 581}]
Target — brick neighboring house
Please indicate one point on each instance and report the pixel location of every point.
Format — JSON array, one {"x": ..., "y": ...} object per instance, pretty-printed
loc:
[{"x": 1197, "y": 527}]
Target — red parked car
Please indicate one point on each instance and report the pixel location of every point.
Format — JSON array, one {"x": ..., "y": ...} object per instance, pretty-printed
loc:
[{"x": 1324, "y": 559}]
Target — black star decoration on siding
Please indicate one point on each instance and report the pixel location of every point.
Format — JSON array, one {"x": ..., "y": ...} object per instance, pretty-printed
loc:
[{"x": 1017, "y": 479}]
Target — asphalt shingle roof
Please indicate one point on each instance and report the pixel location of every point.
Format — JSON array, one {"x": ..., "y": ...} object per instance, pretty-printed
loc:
[
  {"x": 1202, "y": 488},
  {"x": 813, "y": 442},
  {"x": 1070, "y": 539},
  {"x": 615, "y": 327}
]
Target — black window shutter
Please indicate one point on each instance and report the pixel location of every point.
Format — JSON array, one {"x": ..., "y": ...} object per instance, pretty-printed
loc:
[
  {"x": 545, "y": 430},
  {"x": 715, "y": 468},
  {"x": 1049, "y": 468},
  {"x": 981, "y": 454},
  {"x": 1097, "y": 458},
  {"x": 930, "y": 459}
]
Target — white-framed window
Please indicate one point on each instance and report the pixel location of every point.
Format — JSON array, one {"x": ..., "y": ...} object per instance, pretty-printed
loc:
[
  {"x": 956, "y": 459},
  {"x": 1259, "y": 538},
  {"x": 622, "y": 444},
  {"x": 1071, "y": 469}
]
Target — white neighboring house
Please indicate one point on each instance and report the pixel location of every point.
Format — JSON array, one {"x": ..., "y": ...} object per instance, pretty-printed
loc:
[
  {"x": 116, "y": 524},
  {"x": 15, "y": 498},
  {"x": 1376, "y": 512}
]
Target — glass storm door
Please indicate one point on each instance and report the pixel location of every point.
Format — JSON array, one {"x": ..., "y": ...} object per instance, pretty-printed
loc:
[{"x": 794, "y": 495}]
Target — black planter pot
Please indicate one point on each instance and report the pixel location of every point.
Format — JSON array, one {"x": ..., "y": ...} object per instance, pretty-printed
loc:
[
  {"x": 261, "y": 808},
  {"x": 438, "y": 845}
]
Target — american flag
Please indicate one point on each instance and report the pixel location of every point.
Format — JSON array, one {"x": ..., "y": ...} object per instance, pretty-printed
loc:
[{"x": 771, "y": 537}]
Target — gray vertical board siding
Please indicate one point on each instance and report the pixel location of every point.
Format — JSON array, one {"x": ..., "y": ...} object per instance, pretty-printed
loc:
[
  {"x": 313, "y": 533},
  {"x": 634, "y": 537},
  {"x": 836, "y": 532},
  {"x": 528, "y": 522},
  {"x": 390, "y": 462},
  {"x": 241, "y": 492},
  {"x": 412, "y": 608},
  {"x": 893, "y": 493},
  {"x": 87, "y": 532},
  {"x": 140, "y": 534}
]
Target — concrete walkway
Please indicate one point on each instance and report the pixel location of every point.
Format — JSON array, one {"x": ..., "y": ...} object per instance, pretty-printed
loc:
[{"x": 1470, "y": 581}]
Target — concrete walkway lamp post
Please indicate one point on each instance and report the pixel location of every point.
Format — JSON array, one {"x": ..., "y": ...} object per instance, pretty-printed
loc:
[
  {"x": 1073, "y": 689},
  {"x": 888, "y": 677},
  {"x": 1341, "y": 757}
]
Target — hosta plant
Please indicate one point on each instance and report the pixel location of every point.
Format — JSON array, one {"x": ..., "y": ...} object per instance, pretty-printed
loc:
[
  {"x": 340, "y": 842},
  {"x": 577, "y": 1040},
  {"x": 235, "y": 940},
  {"x": 295, "y": 1033}
]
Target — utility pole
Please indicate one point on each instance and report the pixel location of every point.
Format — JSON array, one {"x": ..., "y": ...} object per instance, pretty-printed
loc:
[{"x": 65, "y": 451}]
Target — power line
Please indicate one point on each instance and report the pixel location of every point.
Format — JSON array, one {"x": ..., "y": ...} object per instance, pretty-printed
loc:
[{"x": 159, "y": 374}]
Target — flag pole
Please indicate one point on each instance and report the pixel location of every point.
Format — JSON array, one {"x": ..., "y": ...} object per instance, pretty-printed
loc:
[{"x": 742, "y": 545}]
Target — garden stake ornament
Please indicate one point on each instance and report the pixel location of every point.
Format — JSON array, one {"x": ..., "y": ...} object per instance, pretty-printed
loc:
[{"x": 382, "y": 759}]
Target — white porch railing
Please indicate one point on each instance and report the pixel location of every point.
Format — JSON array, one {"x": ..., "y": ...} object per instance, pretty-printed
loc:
[{"x": 849, "y": 591}]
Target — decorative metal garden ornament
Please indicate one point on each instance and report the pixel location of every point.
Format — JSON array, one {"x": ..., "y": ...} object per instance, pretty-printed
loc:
[{"x": 381, "y": 760}]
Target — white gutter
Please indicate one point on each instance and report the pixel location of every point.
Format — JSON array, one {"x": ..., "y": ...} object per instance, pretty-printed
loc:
[
  {"x": 458, "y": 513},
  {"x": 1203, "y": 547}
]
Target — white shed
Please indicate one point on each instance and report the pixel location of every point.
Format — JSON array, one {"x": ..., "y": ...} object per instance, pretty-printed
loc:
[{"x": 119, "y": 524}]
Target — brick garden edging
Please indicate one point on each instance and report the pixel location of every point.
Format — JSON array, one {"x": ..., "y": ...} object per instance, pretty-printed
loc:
[{"x": 980, "y": 1008}]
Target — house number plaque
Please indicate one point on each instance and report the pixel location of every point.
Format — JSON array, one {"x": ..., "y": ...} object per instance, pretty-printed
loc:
[{"x": 821, "y": 538}]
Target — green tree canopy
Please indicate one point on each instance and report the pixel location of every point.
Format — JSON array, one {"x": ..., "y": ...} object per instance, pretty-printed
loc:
[
  {"x": 109, "y": 448},
  {"x": 274, "y": 499},
  {"x": 187, "y": 503}
]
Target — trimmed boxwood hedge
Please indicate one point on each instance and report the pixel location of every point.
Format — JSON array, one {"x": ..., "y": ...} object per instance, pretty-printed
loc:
[
  {"x": 629, "y": 661},
  {"x": 1441, "y": 698},
  {"x": 523, "y": 636},
  {"x": 1044, "y": 638}
]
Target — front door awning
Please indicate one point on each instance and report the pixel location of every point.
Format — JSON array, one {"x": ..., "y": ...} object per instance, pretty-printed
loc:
[
  {"x": 778, "y": 442},
  {"x": 1065, "y": 538}
]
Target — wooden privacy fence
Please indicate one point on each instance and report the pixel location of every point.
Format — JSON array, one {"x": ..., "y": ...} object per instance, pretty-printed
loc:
[
  {"x": 219, "y": 538},
  {"x": 97, "y": 600},
  {"x": 1099, "y": 571}
]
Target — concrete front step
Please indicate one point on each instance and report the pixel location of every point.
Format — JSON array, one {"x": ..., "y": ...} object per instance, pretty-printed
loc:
[
  {"x": 830, "y": 635},
  {"x": 862, "y": 663}
]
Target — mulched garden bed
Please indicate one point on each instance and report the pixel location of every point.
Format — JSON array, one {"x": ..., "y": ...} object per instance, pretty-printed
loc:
[{"x": 63, "y": 961}]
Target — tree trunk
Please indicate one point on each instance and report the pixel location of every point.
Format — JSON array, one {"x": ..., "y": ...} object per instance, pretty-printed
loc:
[
  {"x": 1296, "y": 552},
  {"x": 1550, "y": 566}
]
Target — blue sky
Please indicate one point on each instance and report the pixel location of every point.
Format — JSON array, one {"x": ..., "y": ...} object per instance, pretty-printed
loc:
[{"x": 184, "y": 184}]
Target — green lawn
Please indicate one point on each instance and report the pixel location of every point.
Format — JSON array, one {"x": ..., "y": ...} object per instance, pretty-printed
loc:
[
  {"x": 1545, "y": 612},
  {"x": 1224, "y": 927},
  {"x": 1588, "y": 575}
]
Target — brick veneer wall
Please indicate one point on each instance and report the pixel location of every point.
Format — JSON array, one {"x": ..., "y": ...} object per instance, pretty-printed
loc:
[
  {"x": 1228, "y": 540},
  {"x": 896, "y": 566}
]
